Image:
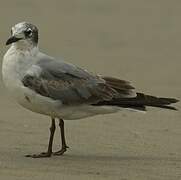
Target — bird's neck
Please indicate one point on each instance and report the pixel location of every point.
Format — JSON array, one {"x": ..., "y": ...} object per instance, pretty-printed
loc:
[
  {"x": 23, "y": 49},
  {"x": 24, "y": 45}
]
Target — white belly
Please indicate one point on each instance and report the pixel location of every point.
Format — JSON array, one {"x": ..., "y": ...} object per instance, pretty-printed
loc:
[{"x": 54, "y": 108}]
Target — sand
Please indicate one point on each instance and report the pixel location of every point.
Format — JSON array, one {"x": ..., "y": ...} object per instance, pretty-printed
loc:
[{"x": 135, "y": 40}]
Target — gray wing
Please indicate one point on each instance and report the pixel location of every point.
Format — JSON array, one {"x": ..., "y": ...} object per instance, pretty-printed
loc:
[{"x": 71, "y": 85}]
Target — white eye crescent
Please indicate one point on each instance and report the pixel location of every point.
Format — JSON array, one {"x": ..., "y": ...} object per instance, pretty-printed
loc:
[{"x": 28, "y": 32}]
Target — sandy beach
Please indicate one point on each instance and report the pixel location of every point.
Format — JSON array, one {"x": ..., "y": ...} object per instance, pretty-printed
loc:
[{"x": 138, "y": 41}]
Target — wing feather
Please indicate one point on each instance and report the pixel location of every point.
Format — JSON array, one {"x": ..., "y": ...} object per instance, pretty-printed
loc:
[
  {"x": 63, "y": 84},
  {"x": 72, "y": 85}
]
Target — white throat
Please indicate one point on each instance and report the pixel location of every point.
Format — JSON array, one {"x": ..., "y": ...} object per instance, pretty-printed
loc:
[{"x": 24, "y": 45}]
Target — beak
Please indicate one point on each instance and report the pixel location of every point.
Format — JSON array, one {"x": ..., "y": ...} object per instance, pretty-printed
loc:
[{"x": 12, "y": 39}]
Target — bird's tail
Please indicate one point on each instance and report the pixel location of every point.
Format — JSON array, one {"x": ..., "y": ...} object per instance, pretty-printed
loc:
[{"x": 141, "y": 101}]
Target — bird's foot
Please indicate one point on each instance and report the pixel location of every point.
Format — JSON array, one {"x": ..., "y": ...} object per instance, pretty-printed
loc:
[
  {"x": 41, "y": 155},
  {"x": 60, "y": 152}
]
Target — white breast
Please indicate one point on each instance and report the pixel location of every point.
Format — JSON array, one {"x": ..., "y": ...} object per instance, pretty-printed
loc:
[
  {"x": 14, "y": 67},
  {"x": 12, "y": 71},
  {"x": 15, "y": 64}
]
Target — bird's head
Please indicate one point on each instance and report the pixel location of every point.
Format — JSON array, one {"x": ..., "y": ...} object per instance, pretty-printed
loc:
[{"x": 24, "y": 34}]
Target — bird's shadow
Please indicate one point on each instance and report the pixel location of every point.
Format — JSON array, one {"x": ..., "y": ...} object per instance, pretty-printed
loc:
[
  {"x": 105, "y": 165},
  {"x": 114, "y": 158}
]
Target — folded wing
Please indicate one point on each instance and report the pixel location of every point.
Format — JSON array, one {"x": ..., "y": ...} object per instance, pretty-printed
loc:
[{"x": 72, "y": 85}]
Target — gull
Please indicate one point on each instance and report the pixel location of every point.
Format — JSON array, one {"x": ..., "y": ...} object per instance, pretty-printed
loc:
[{"x": 62, "y": 90}]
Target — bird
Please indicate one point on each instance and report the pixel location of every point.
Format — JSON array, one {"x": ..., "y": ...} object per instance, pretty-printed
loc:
[{"x": 61, "y": 90}]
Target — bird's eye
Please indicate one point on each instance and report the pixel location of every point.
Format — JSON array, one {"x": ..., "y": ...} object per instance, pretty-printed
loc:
[{"x": 28, "y": 32}]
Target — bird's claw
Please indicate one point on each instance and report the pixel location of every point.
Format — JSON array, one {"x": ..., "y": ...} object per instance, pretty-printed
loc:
[{"x": 61, "y": 152}]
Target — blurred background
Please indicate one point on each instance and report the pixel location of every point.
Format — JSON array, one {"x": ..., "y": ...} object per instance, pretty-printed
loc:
[{"x": 136, "y": 40}]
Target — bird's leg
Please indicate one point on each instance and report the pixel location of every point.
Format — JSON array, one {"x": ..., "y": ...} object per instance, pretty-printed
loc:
[
  {"x": 64, "y": 146},
  {"x": 49, "y": 151}
]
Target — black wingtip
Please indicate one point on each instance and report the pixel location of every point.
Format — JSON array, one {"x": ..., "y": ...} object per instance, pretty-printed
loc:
[
  {"x": 170, "y": 107},
  {"x": 173, "y": 100},
  {"x": 176, "y": 100}
]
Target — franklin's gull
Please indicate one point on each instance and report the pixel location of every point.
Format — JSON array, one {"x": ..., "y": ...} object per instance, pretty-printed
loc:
[{"x": 61, "y": 90}]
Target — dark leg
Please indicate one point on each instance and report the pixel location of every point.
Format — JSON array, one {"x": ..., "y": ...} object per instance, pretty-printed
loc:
[
  {"x": 64, "y": 146},
  {"x": 49, "y": 152}
]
